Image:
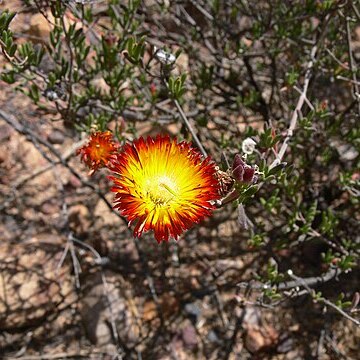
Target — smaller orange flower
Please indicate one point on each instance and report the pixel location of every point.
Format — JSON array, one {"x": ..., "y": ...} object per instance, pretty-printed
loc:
[{"x": 99, "y": 150}]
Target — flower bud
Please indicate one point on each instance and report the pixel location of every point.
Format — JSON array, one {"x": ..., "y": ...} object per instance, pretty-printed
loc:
[
  {"x": 238, "y": 168},
  {"x": 242, "y": 172}
]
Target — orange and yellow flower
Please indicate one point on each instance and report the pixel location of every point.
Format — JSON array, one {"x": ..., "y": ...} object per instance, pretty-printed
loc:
[
  {"x": 99, "y": 150},
  {"x": 164, "y": 186}
]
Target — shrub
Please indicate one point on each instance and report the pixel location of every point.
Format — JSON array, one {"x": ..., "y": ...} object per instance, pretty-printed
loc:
[{"x": 274, "y": 83}]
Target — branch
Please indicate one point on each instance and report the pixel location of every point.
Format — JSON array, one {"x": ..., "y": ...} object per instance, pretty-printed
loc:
[
  {"x": 65, "y": 157},
  {"x": 288, "y": 285},
  {"x": 37, "y": 139},
  {"x": 356, "y": 92},
  {"x": 303, "y": 96},
  {"x": 323, "y": 300},
  {"x": 98, "y": 260},
  {"x": 187, "y": 123},
  {"x": 299, "y": 105}
]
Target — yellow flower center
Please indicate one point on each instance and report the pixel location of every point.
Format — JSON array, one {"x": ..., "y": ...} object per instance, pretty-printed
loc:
[{"x": 160, "y": 190}]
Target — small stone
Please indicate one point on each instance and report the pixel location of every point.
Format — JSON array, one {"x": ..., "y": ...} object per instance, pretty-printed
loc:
[
  {"x": 74, "y": 182},
  {"x": 5, "y": 132},
  {"x": 189, "y": 337},
  {"x": 213, "y": 338},
  {"x": 104, "y": 214},
  {"x": 260, "y": 338},
  {"x": 39, "y": 27},
  {"x": 31, "y": 287},
  {"x": 357, "y": 33},
  {"x": 129, "y": 251},
  {"x": 149, "y": 311},
  {"x": 286, "y": 344},
  {"x": 49, "y": 208},
  {"x": 193, "y": 310},
  {"x": 2, "y": 158},
  {"x": 79, "y": 219},
  {"x": 56, "y": 137}
]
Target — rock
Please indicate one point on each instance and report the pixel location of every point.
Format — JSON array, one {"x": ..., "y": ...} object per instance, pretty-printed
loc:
[
  {"x": 56, "y": 137},
  {"x": 347, "y": 152},
  {"x": 20, "y": 23},
  {"x": 189, "y": 337},
  {"x": 79, "y": 219},
  {"x": 97, "y": 316},
  {"x": 101, "y": 85},
  {"x": 30, "y": 286},
  {"x": 8, "y": 229},
  {"x": 5, "y": 132},
  {"x": 73, "y": 182},
  {"x": 39, "y": 28},
  {"x": 50, "y": 208},
  {"x": 129, "y": 251},
  {"x": 258, "y": 335},
  {"x": 28, "y": 153},
  {"x": 149, "y": 311},
  {"x": 260, "y": 338},
  {"x": 213, "y": 338},
  {"x": 285, "y": 344},
  {"x": 193, "y": 310},
  {"x": 14, "y": 5},
  {"x": 168, "y": 304},
  {"x": 104, "y": 214},
  {"x": 252, "y": 316}
]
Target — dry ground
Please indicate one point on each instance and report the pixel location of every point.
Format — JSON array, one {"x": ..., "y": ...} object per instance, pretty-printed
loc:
[{"x": 97, "y": 293}]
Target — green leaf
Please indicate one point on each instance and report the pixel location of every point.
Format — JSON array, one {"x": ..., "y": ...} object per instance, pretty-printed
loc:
[
  {"x": 12, "y": 50},
  {"x": 8, "y": 77}
]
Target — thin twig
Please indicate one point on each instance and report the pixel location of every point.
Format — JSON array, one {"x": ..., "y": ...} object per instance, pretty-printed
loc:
[
  {"x": 356, "y": 92},
  {"x": 356, "y": 11},
  {"x": 66, "y": 156},
  {"x": 303, "y": 96},
  {"x": 339, "y": 77},
  {"x": 339, "y": 354},
  {"x": 344, "y": 66},
  {"x": 298, "y": 108},
  {"x": 98, "y": 260},
  {"x": 20, "y": 62},
  {"x": 311, "y": 106},
  {"x": 36, "y": 139},
  {"x": 188, "y": 125},
  {"x": 323, "y": 300},
  {"x": 71, "y": 61},
  {"x": 288, "y": 285},
  {"x": 73, "y": 355},
  {"x": 187, "y": 122},
  {"x": 149, "y": 279},
  {"x": 320, "y": 346},
  {"x": 69, "y": 245}
]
